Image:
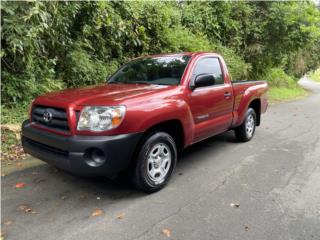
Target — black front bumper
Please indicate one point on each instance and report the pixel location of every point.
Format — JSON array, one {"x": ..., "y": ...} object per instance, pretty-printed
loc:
[{"x": 69, "y": 152}]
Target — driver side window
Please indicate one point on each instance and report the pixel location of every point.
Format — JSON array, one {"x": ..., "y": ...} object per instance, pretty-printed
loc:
[{"x": 209, "y": 65}]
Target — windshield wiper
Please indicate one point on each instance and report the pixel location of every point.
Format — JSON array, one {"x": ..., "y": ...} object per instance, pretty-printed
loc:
[
  {"x": 142, "y": 82},
  {"x": 136, "y": 82},
  {"x": 113, "y": 82}
]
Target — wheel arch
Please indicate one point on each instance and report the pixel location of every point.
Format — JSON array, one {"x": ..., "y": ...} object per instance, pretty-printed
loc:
[
  {"x": 173, "y": 127},
  {"x": 255, "y": 104}
]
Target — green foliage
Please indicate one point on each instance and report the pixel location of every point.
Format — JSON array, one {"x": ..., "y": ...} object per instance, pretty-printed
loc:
[
  {"x": 28, "y": 67},
  {"x": 47, "y": 46},
  {"x": 276, "y": 77},
  {"x": 315, "y": 75},
  {"x": 190, "y": 43},
  {"x": 238, "y": 68},
  {"x": 282, "y": 87},
  {"x": 221, "y": 22},
  {"x": 14, "y": 114},
  {"x": 8, "y": 139},
  {"x": 289, "y": 30},
  {"x": 82, "y": 69},
  {"x": 193, "y": 42}
]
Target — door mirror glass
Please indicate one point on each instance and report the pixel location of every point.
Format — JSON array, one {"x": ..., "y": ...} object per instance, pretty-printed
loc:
[{"x": 204, "y": 80}]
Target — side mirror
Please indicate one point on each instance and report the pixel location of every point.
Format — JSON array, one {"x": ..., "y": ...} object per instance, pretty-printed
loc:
[{"x": 203, "y": 80}]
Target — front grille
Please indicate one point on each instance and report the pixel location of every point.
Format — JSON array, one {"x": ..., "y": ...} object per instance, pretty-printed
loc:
[{"x": 51, "y": 117}]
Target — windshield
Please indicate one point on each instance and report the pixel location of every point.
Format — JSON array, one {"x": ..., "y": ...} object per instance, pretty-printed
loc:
[{"x": 166, "y": 70}]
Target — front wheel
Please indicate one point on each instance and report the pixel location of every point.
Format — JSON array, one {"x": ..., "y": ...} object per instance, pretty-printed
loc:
[
  {"x": 156, "y": 161},
  {"x": 245, "y": 131}
]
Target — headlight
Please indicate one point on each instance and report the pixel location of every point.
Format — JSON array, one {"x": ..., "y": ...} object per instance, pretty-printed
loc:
[{"x": 101, "y": 118}]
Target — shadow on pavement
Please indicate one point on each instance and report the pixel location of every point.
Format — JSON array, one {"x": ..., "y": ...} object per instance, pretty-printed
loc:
[
  {"x": 46, "y": 186},
  {"x": 58, "y": 198},
  {"x": 106, "y": 188}
]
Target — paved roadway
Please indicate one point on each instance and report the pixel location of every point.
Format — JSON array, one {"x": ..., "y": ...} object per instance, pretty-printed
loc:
[{"x": 275, "y": 179}]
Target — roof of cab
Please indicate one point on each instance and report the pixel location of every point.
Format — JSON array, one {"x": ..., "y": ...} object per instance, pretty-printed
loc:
[{"x": 191, "y": 54}]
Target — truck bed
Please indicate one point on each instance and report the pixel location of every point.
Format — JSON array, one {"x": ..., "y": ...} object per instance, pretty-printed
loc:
[{"x": 241, "y": 89}]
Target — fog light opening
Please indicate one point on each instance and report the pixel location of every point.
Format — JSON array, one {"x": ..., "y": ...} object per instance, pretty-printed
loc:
[{"x": 95, "y": 157}]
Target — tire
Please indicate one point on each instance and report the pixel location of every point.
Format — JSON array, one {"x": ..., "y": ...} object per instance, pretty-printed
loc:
[
  {"x": 245, "y": 131},
  {"x": 155, "y": 162}
]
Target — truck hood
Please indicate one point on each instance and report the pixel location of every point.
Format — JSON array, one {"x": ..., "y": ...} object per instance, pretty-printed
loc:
[{"x": 104, "y": 94}]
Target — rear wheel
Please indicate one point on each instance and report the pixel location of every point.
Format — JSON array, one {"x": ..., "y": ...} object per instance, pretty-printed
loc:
[
  {"x": 155, "y": 163},
  {"x": 246, "y": 130}
]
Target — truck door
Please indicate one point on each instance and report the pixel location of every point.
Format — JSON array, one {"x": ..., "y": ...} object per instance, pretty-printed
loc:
[{"x": 211, "y": 106}]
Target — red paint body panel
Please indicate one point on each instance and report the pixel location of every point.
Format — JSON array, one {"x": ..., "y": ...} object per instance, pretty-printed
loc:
[{"x": 202, "y": 112}]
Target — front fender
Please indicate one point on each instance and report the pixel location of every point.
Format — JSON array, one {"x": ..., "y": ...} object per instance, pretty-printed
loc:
[{"x": 166, "y": 111}]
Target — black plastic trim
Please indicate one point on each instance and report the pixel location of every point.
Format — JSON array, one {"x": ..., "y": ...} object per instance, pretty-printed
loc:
[{"x": 67, "y": 152}]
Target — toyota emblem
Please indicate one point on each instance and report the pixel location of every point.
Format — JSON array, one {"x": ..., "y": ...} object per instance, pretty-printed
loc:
[{"x": 47, "y": 116}]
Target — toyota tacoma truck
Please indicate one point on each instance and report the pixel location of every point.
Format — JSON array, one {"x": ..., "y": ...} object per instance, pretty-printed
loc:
[{"x": 142, "y": 117}]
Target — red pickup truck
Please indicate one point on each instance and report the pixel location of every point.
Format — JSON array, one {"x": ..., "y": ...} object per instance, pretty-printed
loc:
[{"x": 138, "y": 121}]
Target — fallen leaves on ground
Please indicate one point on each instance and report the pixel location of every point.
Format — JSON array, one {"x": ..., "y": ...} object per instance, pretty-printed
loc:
[
  {"x": 246, "y": 227},
  {"x": 166, "y": 232},
  {"x": 96, "y": 213},
  {"x": 120, "y": 216},
  {"x": 16, "y": 128},
  {"x": 235, "y": 205},
  {"x": 16, "y": 152},
  {"x": 83, "y": 195},
  {"x": 2, "y": 236},
  {"x": 26, "y": 209},
  {"x": 11, "y": 145},
  {"x": 22, "y": 207},
  {"x": 20, "y": 185},
  {"x": 63, "y": 197},
  {"x": 8, "y": 222}
]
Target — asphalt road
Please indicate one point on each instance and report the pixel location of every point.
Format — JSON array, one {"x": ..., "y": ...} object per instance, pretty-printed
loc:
[{"x": 275, "y": 179}]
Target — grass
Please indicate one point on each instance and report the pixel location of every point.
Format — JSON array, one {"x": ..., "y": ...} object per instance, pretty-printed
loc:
[
  {"x": 14, "y": 115},
  {"x": 8, "y": 138},
  {"x": 11, "y": 120},
  {"x": 280, "y": 94},
  {"x": 283, "y": 87},
  {"x": 315, "y": 76}
]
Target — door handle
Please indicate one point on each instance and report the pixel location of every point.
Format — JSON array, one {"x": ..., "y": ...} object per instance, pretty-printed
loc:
[{"x": 227, "y": 94}]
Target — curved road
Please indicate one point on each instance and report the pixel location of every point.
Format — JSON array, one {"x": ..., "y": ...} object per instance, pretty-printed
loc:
[{"x": 275, "y": 179}]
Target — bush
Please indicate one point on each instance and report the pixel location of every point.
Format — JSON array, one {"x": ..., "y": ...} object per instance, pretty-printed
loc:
[
  {"x": 20, "y": 89},
  {"x": 315, "y": 75},
  {"x": 14, "y": 114},
  {"x": 83, "y": 69},
  {"x": 276, "y": 77},
  {"x": 238, "y": 68},
  {"x": 182, "y": 40}
]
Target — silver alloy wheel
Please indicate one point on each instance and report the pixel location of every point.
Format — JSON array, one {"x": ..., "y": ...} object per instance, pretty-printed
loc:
[
  {"x": 159, "y": 162},
  {"x": 250, "y": 125}
]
